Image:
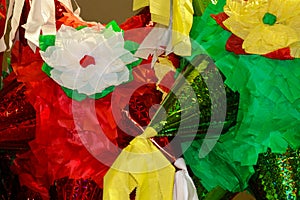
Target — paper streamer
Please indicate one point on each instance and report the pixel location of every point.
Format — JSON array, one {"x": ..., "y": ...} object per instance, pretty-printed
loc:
[
  {"x": 41, "y": 18},
  {"x": 184, "y": 188},
  {"x": 175, "y": 14},
  {"x": 159, "y": 9},
  {"x": 143, "y": 167},
  {"x": 9, "y": 14}
]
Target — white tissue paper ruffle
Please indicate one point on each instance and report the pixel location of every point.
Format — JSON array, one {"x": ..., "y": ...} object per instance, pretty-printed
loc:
[{"x": 105, "y": 47}]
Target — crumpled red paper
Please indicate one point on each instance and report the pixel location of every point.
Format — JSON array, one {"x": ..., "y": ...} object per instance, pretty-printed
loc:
[{"x": 58, "y": 150}]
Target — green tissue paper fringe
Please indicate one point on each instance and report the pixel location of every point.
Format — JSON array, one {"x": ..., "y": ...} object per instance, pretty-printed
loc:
[{"x": 268, "y": 113}]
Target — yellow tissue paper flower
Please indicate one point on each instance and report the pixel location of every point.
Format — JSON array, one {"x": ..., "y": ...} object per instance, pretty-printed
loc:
[{"x": 265, "y": 25}]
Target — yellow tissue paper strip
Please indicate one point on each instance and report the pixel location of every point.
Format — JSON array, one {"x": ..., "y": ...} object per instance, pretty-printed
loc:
[
  {"x": 137, "y": 4},
  {"x": 182, "y": 20},
  {"x": 142, "y": 166},
  {"x": 162, "y": 67},
  {"x": 159, "y": 9},
  {"x": 182, "y": 24}
]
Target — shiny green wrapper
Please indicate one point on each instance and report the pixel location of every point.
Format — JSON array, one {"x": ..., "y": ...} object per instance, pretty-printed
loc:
[
  {"x": 187, "y": 110},
  {"x": 277, "y": 176}
]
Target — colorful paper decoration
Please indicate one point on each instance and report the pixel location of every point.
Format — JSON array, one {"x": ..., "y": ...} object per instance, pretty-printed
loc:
[
  {"x": 68, "y": 65},
  {"x": 143, "y": 167},
  {"x": 268, "y": 114}
]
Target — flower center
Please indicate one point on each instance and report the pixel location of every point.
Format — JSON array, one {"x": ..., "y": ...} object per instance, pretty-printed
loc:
[
  {"x": 86, "y": 61},
  {"x": 269, "y": 19}
]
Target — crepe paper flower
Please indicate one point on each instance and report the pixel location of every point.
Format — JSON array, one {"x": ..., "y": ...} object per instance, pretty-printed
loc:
[
  {"x": 235, "y": 44},
  {"x": 87, "y": 61},
  {"x": 265, "y": 25}
]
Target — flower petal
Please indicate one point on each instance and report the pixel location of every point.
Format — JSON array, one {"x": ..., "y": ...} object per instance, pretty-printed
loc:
[
  {"x": 84, "y": 74},
  {"x": 58, "y": 57},
  {"x": 76, "y": 48},
  {"x": 116, "y": 78},
  {"x": 264, "y": 39},
  {"x": 117, "y": 66},
  {"x": 103, "y": 54},
  {"x": 87, "y": 89},
  {"x": 69, "y": 79},
  {"x": 295, "y": 49},
  {"x": 78, "y": 43},
  {"x": 56, "y": 76},
  {"x": 111, "y": 79},
  {"x": 294, "y": 22},
  {"x": 123, "y": 77},
  {"x": 244, "y": 15},
  {"x": 98, "y": 84},
  {"x": 284, "y": 10}
]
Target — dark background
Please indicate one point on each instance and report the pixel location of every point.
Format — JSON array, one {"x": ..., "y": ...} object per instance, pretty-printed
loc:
[{"x": 104, "y": 11}]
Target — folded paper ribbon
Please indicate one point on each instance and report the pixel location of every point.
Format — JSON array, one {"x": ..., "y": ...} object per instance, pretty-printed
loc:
[
  {"x": 184, "y": 188},
  {"x": 178, "y": 15},
  {"x": 143, "y": 167}
]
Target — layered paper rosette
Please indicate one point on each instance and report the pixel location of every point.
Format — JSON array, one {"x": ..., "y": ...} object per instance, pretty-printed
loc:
[
  {"x": 265, "y": 25},
  {"x": 87, "y": 62}
]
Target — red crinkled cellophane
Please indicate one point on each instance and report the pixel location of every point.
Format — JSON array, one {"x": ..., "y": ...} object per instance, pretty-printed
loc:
[{"x": 58, "y": 150}]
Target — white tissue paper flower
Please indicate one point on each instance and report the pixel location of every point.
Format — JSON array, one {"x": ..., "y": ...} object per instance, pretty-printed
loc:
[{"x": 88, "y": 60}]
